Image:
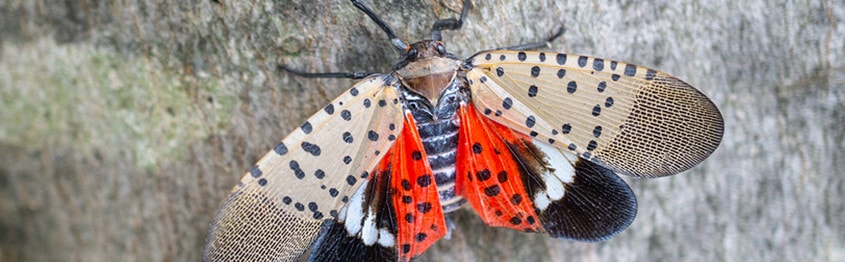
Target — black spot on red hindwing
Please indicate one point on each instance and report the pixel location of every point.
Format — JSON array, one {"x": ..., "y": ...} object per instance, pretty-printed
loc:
[
  {"x": 516, "y": 199},
  {"x": 424, "y": 207},
  {"x": 424, "y": 180},
  {"x": 406, "y": 185},
  {"x": 483, "y": 175},
  {"x": 502, "y": 176},
  {"x": 416, "y": 155},
  {"x": 476, "y": 148},
  {"x": 420, "y": 237},
  {"x": 492, "y": 191},
  {"x": 516, "y": 220}
]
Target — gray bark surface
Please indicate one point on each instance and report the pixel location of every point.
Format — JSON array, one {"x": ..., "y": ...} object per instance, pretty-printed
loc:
[{"x": 123, "y": 125}]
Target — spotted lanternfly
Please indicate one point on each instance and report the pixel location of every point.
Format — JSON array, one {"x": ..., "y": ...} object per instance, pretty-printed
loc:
[{"x": 530, "y": 140}]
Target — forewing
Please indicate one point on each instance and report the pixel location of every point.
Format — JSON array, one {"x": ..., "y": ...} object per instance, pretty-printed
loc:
[
  {"x": 631, "y": 119},
  {"x": 275, "y": 211}
]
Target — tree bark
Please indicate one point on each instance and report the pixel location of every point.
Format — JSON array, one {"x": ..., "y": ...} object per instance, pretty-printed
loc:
[{"x": 123, "y": 125}]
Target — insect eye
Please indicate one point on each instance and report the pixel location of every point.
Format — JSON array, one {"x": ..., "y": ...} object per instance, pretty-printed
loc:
[
  {"x": 412, "y": 53},
  {"x": 440, "y": 48}
]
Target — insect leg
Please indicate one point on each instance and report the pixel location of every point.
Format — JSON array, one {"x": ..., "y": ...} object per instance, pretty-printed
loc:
[
  {"x": 400, "y": 46},
  {"x": 352, "y": 75},
  {"x": 536, "y": 45},
  {"x": 450, "y": 23}
]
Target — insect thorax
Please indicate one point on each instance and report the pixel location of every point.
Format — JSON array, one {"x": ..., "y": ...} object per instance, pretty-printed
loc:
[{"x": 433, "y": 92}]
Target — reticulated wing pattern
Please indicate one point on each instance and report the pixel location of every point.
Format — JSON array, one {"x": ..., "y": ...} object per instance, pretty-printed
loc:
[
  {"x": 275, "y": 211},
  {"x": 631, "y": 119}
]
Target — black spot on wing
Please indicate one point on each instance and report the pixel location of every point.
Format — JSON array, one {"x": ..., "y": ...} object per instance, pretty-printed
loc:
[
  {"x": 598, "y": 64},
  {"x": 561, "y": 59}
]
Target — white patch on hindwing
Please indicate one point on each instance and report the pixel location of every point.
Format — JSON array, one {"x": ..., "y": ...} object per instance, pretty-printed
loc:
[
  {"x": 362, "y": 224},
  {"x": 560, "y": 171}
]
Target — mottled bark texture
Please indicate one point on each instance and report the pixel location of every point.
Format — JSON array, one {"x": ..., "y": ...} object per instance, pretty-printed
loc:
[{"x": 124, "y": 124}]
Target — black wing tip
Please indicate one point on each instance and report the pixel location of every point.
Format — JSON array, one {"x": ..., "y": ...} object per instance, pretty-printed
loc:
[
  {"x": 335, "y": 244},
  {"x": 596, "y": 206}
]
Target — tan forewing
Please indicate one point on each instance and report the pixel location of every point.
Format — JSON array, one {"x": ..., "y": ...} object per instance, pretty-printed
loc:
[
  {"x": 634, "y": 120},
  {"x": 275, "y": 211}
]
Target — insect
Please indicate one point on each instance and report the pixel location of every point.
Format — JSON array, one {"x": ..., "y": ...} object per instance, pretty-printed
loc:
[{"x": 530, "y": 140}]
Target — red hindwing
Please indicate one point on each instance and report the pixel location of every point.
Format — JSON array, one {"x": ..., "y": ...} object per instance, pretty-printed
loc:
[
  {"x": 419, "y": 216},
  {"x": 489, "y": 176}
]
